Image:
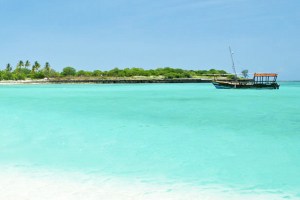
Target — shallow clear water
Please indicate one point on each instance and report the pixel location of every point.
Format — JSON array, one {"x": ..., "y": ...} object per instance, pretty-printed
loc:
[{"x": 243, "y": 140}]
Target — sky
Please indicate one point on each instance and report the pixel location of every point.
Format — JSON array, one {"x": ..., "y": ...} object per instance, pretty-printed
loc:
[{"x": 188, "y": 34}]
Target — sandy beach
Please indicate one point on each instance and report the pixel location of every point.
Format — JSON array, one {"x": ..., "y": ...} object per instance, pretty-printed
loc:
[{"x": 18, "y": 184}]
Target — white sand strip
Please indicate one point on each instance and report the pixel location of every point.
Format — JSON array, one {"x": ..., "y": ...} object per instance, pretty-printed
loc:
[{"x": 20, "y": 185}]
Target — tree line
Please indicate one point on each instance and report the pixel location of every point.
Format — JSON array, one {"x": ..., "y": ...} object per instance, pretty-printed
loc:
[
  {"x": 25, "y": 70},
  {"x": 28, "y": 70}
]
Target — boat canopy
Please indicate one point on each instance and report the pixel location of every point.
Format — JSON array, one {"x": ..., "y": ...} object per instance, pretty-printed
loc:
[
  {"x": 265, "y": 75},
  {"x": 265, "y": 78}
]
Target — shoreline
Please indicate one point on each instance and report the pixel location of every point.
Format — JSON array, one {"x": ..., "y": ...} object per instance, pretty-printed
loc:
[
  {"x": 37, "y": 184},
  {"x": 104, "y": 81}
]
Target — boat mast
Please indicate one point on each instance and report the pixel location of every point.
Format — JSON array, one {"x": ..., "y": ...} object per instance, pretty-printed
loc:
[{"x": 233, "y": 66}]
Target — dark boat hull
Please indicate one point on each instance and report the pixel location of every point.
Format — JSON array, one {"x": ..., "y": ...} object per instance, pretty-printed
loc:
[{"x": 229, "y": 85}]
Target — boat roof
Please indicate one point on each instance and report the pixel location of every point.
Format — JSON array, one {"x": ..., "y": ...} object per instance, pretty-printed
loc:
[{"x": 265, "y": 74}]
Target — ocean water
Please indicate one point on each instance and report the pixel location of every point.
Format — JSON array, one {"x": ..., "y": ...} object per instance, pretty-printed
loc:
[{"x": 149, "y": 141}]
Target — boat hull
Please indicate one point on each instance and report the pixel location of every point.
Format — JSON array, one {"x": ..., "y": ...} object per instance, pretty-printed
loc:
[{"x": 229, "y": 85}]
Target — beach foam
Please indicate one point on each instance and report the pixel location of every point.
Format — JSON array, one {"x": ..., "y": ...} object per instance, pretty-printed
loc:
[{"x": 37, "y": 185}]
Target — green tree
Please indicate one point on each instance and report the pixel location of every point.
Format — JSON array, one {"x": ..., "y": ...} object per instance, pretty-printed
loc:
[
  {"x": 81, "y": 73},
  {"x": 38, "y": 75},
  {"x": 47, "y": 66},
  {"x": 8, "y": 68},
  {"x": 19, "y": 76},
  {"x": 36, "y": 66},
  {"x": 114, "y": 72},
  {"x": 69, "y": 71},
  {"x": 27, "y": 64},
  {"x": 97, "y": 73},
  {"x": 47, "y": 69},
  {"x": 6, "y": 75},
  {"x": 245, "y": 73},
  {"x": 53, "y": 73},
  {"x": 20, "y": 64},
  {"x": 24, "y": 71}
]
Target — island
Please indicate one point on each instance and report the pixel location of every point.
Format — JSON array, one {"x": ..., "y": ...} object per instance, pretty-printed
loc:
[{"x": 27, "y": 73}]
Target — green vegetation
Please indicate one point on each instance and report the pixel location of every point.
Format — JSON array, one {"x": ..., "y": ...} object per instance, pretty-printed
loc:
[
  {"x": 245, "y": 73},
  {"x": 68, "y": 71},
  {"x": 24, "y": 70}
]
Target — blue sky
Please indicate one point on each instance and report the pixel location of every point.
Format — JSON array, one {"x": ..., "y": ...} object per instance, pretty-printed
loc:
[{"x": 190, "y": 34}]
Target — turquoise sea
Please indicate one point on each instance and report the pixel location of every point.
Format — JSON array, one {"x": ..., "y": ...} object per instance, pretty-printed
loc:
[{"x": 244, "y": 143}]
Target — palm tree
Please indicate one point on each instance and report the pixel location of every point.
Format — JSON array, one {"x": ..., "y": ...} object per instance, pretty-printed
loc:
[
  {"x": 35, "y": 67},
  {"x": 47, "y": 69},
  {"x": 8, "y": 68},
  {"x": 27, "y": 64},
  {"x": 20, "y": 64}
]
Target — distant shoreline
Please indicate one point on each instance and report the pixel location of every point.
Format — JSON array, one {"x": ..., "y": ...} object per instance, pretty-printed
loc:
[{"x": 104, "y": 81}]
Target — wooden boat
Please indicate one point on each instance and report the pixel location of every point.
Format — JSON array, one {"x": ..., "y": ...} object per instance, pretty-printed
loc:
[{"x": 259, "y": 81}]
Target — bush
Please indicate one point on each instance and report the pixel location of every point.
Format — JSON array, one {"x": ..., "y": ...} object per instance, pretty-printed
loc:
[
  {"x": 38, "y": 75},
  {"x": 97, "y": 73},
  {"x": 5, "y": 75},
  {"x": 19, "y": 76},
  {"x": 68, "y": 71}
]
